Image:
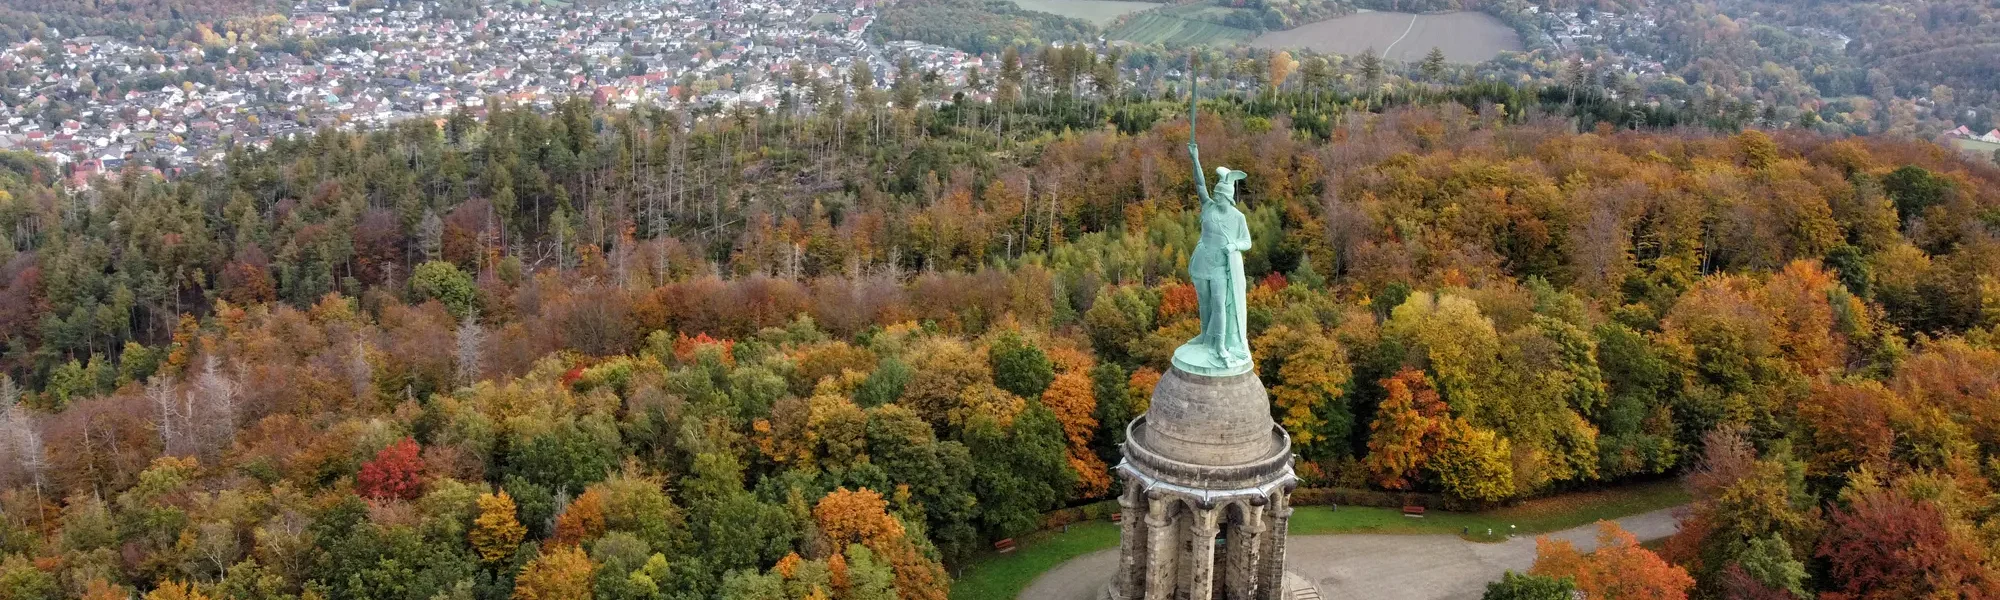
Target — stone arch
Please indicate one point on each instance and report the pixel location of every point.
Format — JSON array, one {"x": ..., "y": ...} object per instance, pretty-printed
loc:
[
  {"x": 1174, "y": 508},
  {"x": 1232, "y": 512},
  {"x": 1189, "y": 506}
]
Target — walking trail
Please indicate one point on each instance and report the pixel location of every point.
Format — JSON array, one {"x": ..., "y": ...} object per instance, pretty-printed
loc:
[
  {"x": 1374, "y": 566},
  {"x": 1406, "y": 33}
]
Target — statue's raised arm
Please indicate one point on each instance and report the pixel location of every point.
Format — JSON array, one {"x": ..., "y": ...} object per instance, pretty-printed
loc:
[{"x": 1194, "y": 150}]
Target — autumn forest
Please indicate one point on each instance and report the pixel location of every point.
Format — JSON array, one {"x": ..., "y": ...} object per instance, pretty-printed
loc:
[{"x": 835, "y": 354}]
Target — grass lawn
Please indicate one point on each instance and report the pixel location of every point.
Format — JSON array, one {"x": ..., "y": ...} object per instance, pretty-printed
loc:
[
  {"x": 1978, "y": 149},
  {"x": 1541, "y": 515},
  {"x": 1003, "y": 576}
]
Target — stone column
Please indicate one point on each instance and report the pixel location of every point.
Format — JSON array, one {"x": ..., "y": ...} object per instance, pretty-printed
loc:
[
  {"x": 1245, "y": 549},
  {"x": 1161, "y": 548},
  {"x": 1271, "y": 576},
  {"x": 1201, "y": 578},
  {"x": 1131, "y": 575}
]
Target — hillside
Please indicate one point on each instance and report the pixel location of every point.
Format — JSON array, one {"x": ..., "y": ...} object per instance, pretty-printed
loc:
[
  {"x": 830, "y": 356},
  {"x": 1916, "y": 44}
]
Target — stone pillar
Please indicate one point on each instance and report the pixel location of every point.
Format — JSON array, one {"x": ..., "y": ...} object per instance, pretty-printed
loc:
[
  {"x": 1246, "y": 541},
  {"x": 1201, "y": 578},
  {"x": 1131, "y": 575},
  {"x": 1271, "y": 575},
  {"x": 1163, "y": 540}
]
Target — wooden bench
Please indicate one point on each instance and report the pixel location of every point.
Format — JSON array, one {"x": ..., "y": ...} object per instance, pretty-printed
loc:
[
  {"x": 1004, "y": 546},
  {"x": 1118, "y": 517},
  {"x": 1413, "y": 511}
]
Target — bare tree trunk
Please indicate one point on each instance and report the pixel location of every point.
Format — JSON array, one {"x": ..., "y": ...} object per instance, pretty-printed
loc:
[
  {"x": 160, "y": 390},
  {"x": 215, "y": 394},
  {"x": 360, "y": 373},
  {"x": 471, "y": 340}
]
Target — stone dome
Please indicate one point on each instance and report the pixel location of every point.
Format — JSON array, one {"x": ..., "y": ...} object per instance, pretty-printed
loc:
[{"x": 1209, "y": 431}]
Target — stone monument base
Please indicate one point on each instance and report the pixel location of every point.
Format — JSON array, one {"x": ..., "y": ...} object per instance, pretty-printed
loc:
[{"x": 1297, "y": 587}]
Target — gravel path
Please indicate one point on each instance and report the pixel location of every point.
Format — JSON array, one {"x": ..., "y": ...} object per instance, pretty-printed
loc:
[{"x": 1374, "y": 566}]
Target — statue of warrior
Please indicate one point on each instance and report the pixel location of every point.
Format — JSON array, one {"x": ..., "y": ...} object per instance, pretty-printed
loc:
[{"x": 1223, "y": 347}]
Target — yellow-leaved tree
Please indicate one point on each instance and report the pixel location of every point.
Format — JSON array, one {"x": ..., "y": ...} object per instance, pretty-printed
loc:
[
  {"x": 176, "y": 590},
  {"x": 1474, "y": 463},
  {"x": 1458, "y": 344},
  {"x": 496, "y": 532},
  {"x": 563, "y": 573},
  {"x": 1311, "y": 376}
]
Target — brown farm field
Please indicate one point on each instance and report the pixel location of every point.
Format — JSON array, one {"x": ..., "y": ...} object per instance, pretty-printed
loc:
[
  {"x": 1098, "y": 12},
  {"x": 1466, "y": 37}
]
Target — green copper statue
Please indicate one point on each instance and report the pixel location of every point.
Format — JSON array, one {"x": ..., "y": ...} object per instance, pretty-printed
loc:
[{"x": 1223, "y": 347}]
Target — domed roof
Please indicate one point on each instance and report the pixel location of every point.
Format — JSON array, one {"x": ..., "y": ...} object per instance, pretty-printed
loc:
[{"x": 1208, "y": 431}]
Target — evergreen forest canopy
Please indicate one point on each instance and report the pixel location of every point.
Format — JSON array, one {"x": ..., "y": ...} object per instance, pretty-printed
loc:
[{"x": 638, "y": 355}]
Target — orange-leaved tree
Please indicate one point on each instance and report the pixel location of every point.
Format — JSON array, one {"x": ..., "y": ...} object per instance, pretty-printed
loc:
[
  {"x": 851, "y": 516},
  {"x": 1410, "y": 427},
  {"x": 1619, "y": 568},
  {"x": 836, "y": 569},
  {"x": 1849, "y": 426},
  {"x": 847, "y": 516},
  {"x": 99, "y": 589},
  {"x": 1070, "y": 397},
  {"x": 1139, "y": 388},
  {"x": 582, "y": 520}
]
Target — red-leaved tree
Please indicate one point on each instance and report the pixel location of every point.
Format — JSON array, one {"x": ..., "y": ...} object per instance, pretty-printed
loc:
[
  {"x": 1889, "y": 545},
  {"x": 397, "y": 472}
]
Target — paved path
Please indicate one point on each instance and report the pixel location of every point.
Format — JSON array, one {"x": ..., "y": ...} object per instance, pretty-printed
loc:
[{"x": 1373, "y": 566}]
